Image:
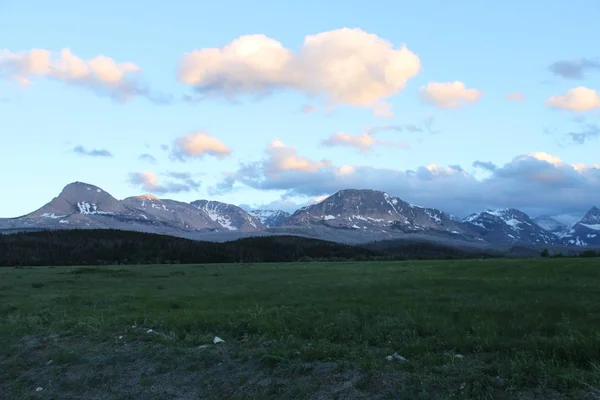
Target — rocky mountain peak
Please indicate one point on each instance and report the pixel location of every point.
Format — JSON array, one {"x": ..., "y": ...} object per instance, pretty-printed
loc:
[
  {"x": 586, "y": 231},
  {"x": 147, "y": 197},
  {"x": 509, "y": 225},
  {"x": 82, "y": 189},
  {"x": 592, "y": 217},
  {"x": 360, "y": 201},
  {"x": 81, "y": 198},
  {"x": 376, "y": 212}
]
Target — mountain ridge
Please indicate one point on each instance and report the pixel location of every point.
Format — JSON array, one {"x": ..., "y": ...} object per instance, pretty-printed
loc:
[{"x": 351, "y": 215}]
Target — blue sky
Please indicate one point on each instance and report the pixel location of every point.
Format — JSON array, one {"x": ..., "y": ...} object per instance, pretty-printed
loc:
[{"x": 279, "y": 124}]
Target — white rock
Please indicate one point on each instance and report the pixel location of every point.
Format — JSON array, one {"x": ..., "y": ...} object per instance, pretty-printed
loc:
[
  {"x": 459, "y": 356},
  {"x": 395, "y": 356},
  {"x": 217, "y": 340},
  {"x": 39, "y": 389}
]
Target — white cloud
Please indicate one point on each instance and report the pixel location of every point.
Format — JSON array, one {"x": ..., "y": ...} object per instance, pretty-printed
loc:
[
  {"x": 515, "y": 96},
  {"x": 577, "y": 99},
  {"x": 449, "y": 94},
  {"x": 537, "y": 183},
  {"x": 549, "y": 158},
  {"x": 347, "y": 66},
  {"x": 363, "y": 142},
  {"x": 100, "y": 73},
  {"x": 199, "y": 144}
]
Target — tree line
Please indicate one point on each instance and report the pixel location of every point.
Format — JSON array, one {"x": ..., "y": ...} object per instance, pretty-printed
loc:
[
  {"x": 104, "y": 247},
  {"x": 583, "y": 254}
]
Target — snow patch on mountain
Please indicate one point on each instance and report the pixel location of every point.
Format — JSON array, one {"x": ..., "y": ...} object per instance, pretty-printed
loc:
[
  {"x": 91, "y": 209},
  {"x": 228, "y": 216},
  {"x": 215, "y": 212},
  {"x": 595, "y": 227},
  {"x": 222, "y": 220},
  {"x": 52, "y": 216}
]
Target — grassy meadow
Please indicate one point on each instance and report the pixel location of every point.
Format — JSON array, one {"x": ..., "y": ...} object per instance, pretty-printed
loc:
[{"x": 477, "y": 329}]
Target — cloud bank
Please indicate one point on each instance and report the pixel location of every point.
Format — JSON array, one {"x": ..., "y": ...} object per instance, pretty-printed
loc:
[{"x": 525, "y": 182}]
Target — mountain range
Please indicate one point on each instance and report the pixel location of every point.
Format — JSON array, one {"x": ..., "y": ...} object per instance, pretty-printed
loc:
[{"x": 350, "y": 216}]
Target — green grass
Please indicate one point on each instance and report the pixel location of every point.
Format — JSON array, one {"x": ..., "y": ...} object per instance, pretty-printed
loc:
[{"x": 526, "y": 328}]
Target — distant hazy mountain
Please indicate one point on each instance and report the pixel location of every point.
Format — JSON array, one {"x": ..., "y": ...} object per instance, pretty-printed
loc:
[
  {"x": 550, "y": 224},
  {"x": 270, "y": 218},
  {"x": 351, "y": 216}
]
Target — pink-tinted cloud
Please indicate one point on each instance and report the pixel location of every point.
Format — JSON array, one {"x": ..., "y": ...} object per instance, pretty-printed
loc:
[
  {"x": 364, "y": 142},
  {"x": 449, "y": 94},
  {"x": 199, "y": 144},
  {"x": 101, "y": 73},
  {"x": 346, "y": 66},
  {"x": 285, "y": 158},
  {"x": 515, "y": 96},
  {"x": 577, "y": 99}
]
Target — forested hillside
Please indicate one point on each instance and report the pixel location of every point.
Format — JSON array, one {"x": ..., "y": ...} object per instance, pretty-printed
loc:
[
  {"x": 101, "y": 247},
  {"x": 97, "y": 247}
]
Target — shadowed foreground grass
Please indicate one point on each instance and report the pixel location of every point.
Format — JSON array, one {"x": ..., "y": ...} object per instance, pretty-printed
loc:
[{"x": 525, "y": 329}]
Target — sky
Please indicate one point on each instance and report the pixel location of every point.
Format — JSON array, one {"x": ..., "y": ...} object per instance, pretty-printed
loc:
[{"x": 461, "y": 105}]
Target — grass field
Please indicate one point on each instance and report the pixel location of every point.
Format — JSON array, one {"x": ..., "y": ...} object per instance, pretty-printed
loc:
[{"x": 480, "y": 329}]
